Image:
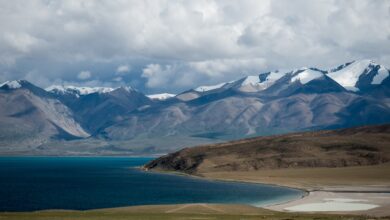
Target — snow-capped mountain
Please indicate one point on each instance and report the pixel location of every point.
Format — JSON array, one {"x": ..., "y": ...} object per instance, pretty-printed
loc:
[
  {"x": 14, "y": 84},
  {"x": 355, "y": 93},
  {"x": 60, "y": 89},
  {"x": 355, "y": 74},
  {"x": 209, "y": 88},
  {"x": 161, "y": 96},
  {"x": 31, "y": 116},
  {"x": 352, "y": 76},
  {"x": 306, "y": 76},
  {"x": 258, "y": 83},
  {"x": 96, "y": 106}
]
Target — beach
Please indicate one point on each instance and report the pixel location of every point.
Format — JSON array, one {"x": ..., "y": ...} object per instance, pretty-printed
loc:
[
  {"x": 369, "y": 201},
  {"x": 360, "y": 190}
]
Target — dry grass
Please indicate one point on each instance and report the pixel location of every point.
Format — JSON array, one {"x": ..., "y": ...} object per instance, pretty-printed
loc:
[
  {"x": 363, "y": 146},
  {"x": 182, "y": 212},
  {"x": 312, "y": 178}
]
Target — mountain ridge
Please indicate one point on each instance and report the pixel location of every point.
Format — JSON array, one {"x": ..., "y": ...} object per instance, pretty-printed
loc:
[
  {"x": 268, "y": 103},
  {"x": 358, "y": 146}
]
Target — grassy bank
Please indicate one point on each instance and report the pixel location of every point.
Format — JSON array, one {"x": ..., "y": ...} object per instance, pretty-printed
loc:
[
  {"x": 312, "y": 178},
  {"x": 186, "y": 211}
]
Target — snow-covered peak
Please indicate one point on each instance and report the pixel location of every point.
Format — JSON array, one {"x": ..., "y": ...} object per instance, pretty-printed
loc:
[
  {"x": 383, "y": 73},
  {"x": 260, "y": 82},
  {"x": 251, "y": 80},
  {"x": 348, "y": 75},
  {"x": 208, "y": 88},
  {"x": 272, "y": 77},
  {"x": 306, "y": 76},
  {"x": 56, "y": 88},
  {"x": 89, "y": 90},
  {"x": 77, "y": 90},
  {"x": 161, "y": 96},
  {"x": 14, "y": 84}
]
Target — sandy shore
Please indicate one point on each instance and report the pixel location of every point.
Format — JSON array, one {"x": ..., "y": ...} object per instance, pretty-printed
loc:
[
  {"x": 368, "y": 201},
  {"x": 352, "y": 190},
  {"x": 323, "y": 195}
]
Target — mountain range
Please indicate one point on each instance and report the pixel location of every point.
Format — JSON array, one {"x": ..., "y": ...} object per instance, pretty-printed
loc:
[{"x": 82, "y": 120}]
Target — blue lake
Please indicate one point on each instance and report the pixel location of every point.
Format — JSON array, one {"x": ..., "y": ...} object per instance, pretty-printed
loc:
[{"x": 80, "y": 183}]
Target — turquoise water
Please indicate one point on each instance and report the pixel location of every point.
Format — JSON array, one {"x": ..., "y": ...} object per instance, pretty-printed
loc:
[{"x": 80, "y": 183}]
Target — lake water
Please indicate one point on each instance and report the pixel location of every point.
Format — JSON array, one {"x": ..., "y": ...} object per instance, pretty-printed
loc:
[{"x": 36, "y": 183}]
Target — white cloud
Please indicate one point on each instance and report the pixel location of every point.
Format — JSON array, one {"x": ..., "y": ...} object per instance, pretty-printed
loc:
[
  {"x": 216, "y": 68},
  {"x": 192, "y": 74},
  {"x": 83, "y": 75},
  {"x": 123, "y": 69},
  {"x": 21, "y": 42},
  {"x": 157, "y": 75},
  {"x": 194, "y": 42}
]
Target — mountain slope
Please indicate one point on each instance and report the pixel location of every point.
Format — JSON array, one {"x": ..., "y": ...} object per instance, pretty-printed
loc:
[
  {"x": 122, "y": 119},
  {"x": 270, "y": 103},
  {"x": 336, "y": 148},
  {"x": 242, "y": 115},
  {"x": 31, "y": 116},
  {"x": 98, "y": 107},
  {"x": 359, "y": 75}
]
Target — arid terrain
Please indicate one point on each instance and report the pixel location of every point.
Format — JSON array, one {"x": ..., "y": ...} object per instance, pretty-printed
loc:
[
  {"x": 342, "y": 165},
  {"x": 361, "y": 146},
  {"x": 184, "y": 211}
]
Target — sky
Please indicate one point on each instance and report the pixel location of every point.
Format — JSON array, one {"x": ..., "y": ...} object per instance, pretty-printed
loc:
[{"x": 170, "y": 46}]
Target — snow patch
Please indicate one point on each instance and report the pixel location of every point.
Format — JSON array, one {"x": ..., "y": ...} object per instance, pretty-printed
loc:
[
  {"x": 251, "y": 80},
  {"x": 14, "y": 84},
  {"x": 271, "y": 79},
  {"x": 383, "y": 73},
  {"x": 274, "y": 76},
  {"x": 89, "y": 90},
  {"x": 254, "y": 83},
  {"x": 348, "y": 76},
  {"x": 162, "y": 96},
  {"x": 78, "y": 90},
  {"x": 209, "y": 88},
  {"x": 306, "y": 76}
]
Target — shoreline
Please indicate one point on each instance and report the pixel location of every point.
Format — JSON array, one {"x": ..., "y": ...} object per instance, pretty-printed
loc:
[
  {"x": 343, "y": 191},
  {"x": 304, "y": 191},
  {"x": 324, "y": 193},
  {"x": 224, "y": 180},
  {"x": 81, "y": 156}
]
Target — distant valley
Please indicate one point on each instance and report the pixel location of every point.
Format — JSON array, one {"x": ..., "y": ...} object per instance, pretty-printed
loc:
[{"x": 69, "y": 120}]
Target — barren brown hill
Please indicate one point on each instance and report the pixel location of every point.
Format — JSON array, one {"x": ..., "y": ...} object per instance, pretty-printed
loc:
[{"x": 360, "y": 146}]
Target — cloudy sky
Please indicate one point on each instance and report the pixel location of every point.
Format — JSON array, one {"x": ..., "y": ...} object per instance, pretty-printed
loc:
[{"x": 158, "y": 46}]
